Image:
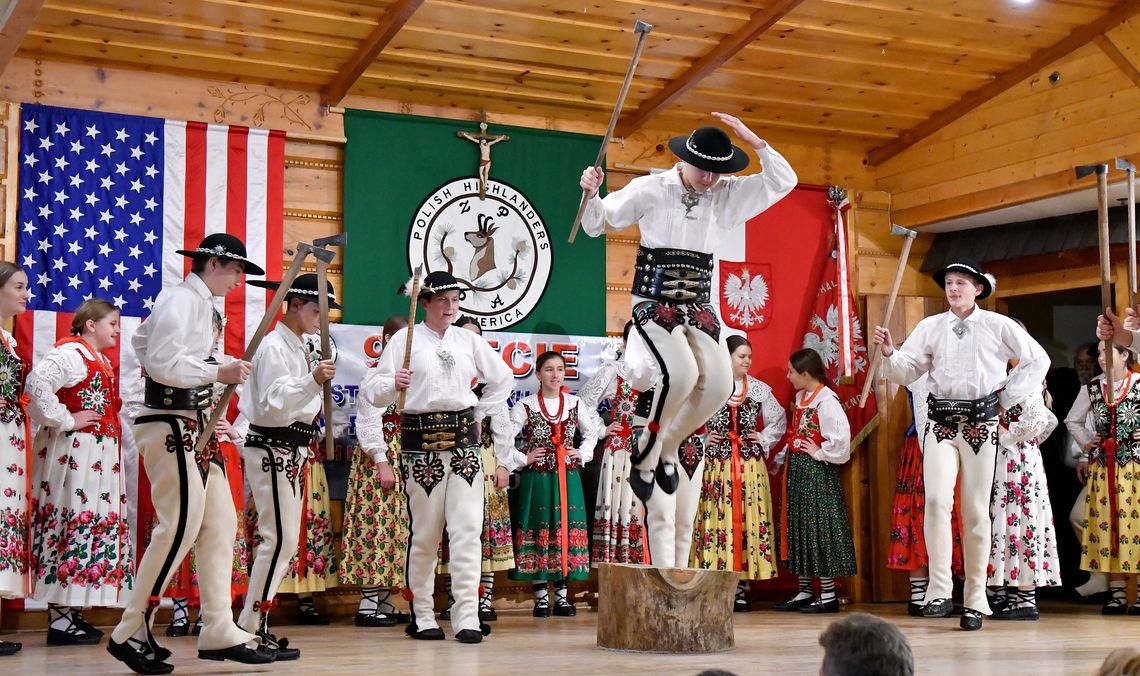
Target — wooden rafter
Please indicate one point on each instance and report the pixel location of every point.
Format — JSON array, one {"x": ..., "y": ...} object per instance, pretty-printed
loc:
[
  {"x": 390, "y": 24},
  {"x": 1114, "y": 53},
  {"x": 15, "y": 20},
  {"x": 702, "y": 67},
  {"x": 1113, "y": 17}
]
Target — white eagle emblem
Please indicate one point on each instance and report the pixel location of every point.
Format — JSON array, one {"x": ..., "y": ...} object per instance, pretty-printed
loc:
[{"x": 746, "y": 295}]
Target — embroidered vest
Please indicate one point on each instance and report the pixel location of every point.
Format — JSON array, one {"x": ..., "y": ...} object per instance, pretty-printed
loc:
[
  {"x": 538, "y": 433},
  {"x": 1127, "y": 422},
  {"x": 805, "y": 422},
  {"x": 12, "y": 373},
  {"x": 98, "y": 391},
  {"x": 621, "y": 408},
  {"x": 748, "y": 419}
]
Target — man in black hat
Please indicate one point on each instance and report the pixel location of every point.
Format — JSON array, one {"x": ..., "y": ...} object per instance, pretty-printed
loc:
[
  {"x": 683, "y": 214},
  {"x": 965, "y": 351},
  {"x": 281, "y": 401},
  {"x": 439, "y": 458},
  {"x": 191, "y": 495}
]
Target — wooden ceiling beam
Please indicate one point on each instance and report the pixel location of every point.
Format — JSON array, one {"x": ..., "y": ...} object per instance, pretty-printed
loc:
[
  {"x": 16, "y": 20},
  {"x": 1113, "y": 17},
  {"x": 390, "y": 24},
  {"x": 702, "y": 67},
  {"x": 1118, "y": 57}
]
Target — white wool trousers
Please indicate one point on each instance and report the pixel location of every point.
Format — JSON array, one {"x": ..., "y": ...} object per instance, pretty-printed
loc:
[{"x": 669, "y": 520}]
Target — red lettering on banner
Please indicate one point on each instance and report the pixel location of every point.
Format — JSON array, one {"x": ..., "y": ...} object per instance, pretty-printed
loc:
[
  {"x": 569, "y": 352},
  {"x": 512, "y": 352}
]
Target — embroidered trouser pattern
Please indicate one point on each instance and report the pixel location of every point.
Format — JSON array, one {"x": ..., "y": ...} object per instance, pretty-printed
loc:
[
  {"x": 444, "y": 488},
  {"x": 969, "y": 449},
  {"x": 190, "y": 509},
  {"x": 274, "y": 476}
]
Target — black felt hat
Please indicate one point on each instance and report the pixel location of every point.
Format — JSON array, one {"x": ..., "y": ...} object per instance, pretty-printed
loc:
[
  {"x": 435, "y": 282},
  {"x": 709, "y": 148},
  {"x": 224, "y": 245},
  {"x": 303, "y": 287},
  {"x": 970, "y": 267}
]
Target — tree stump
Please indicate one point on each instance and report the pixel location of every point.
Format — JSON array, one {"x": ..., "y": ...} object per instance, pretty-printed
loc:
[{"x": 665, "y": 610}]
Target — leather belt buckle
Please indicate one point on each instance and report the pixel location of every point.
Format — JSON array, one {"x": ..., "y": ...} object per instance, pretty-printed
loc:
[{"x": 438, "y": 445}]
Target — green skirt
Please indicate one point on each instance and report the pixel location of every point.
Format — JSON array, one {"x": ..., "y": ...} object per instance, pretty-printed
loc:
[
  {"x": 536, "y": 513},
  {"x": 819, "y": 530}
]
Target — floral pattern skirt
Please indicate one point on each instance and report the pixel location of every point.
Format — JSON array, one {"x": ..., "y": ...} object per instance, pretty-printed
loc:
[
  {"x": 1096, "y": 547},
  {"x": 907, "y": 550},
  {"x": 14, "y": 524},
  {"x": 1023, "y": 549},
  {"x": 314, "y": 567},
  {"x": 81, "y": 547},
  {"x": 619, "y": 518},
  {"x": 819, "y": 529},
  {"x": 375, "y": 537},
  {"x": 184, "y": 584},
  {"x": 537, "y": 515},
  {"x": 713, "y": 534},
  {"x": 497, "y": 538}
]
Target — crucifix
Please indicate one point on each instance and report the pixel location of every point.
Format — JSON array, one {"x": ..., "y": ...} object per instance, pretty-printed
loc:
[{"x": 485, "y": 141}]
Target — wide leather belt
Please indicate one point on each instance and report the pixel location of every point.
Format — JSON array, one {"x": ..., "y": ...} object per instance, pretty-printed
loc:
[
  {"x": 438, "y": 430},
  {"x": 955, "y": 411},
  {"x": 169, "y": 398},
  {"x": 297, "y": 434},
  {"x": 673, "y": 275}
]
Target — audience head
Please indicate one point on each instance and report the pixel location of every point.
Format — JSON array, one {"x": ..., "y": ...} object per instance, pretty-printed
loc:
[
  {"x": 1120, "y": 662},
  {"x": 864, "y": 645},
  {"x": 1084, "y": 362}
]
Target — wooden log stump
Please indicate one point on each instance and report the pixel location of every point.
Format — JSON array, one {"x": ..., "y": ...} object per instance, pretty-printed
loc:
[{"x": 665, "y": 610}]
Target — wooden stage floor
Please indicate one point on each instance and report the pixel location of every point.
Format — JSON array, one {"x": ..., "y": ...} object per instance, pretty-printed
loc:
[{"x": 1069, "y": 639}]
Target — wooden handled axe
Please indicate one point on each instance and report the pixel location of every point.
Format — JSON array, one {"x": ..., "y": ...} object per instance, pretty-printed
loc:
[
  {"x": 1101, "y": 171},
  {"x": 909, "y": 234},
  {"x": 323, "y": 260}
]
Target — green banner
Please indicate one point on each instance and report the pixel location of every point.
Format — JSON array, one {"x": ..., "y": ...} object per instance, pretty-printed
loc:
[{"x": 412, "y": 195}]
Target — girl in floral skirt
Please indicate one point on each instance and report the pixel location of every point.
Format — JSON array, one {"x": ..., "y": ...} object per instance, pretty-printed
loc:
[
  {"x": 734, "y": 521},
  {"x": 15, "y": 480},
  {"x": 375, "y": 537},
  {"x": 548, "y": 509},
  {"x": 1111, "y": 542},
  {"x": 81, "y": 548},
  {"x": 815, "y": 531}
]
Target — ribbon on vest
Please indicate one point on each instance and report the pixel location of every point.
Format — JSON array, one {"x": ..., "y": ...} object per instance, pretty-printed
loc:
[
  {"x": 557, "y": 437},
  {"x": 737, "y": 478}
]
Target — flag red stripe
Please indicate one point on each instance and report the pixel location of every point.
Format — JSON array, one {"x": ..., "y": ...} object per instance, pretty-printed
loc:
[
  {"x": 194, "y": 228},
  {"x": 275, "y": 208},
  {"x": 236, "y": 166}
]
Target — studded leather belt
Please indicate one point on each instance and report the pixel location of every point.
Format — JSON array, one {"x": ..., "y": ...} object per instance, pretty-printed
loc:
[
  {"x": 438, "y": 430},
  {"x": 954, "y": 411},
  {"x": 169, "y": 398},
  {"x": 673, "y": 275}
]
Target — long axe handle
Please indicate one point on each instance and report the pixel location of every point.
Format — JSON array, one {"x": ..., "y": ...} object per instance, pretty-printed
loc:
[
  {"x": 251, "y": 349},
  {"x": 871, "y": 372},
  {"x": 1132, "y": 237},
  {"x": 326, "y": 353},
  {"x": 1105, "y": 270},
  {"x": 642, "y": 29},
  {"x": 411, "y": 329}
]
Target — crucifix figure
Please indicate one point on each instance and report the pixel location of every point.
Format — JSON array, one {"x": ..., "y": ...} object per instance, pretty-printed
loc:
[{"x": 485, "y": 141}]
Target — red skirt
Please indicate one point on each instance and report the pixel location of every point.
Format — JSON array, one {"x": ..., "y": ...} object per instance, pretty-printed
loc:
[{"x": 907, "y": 550}]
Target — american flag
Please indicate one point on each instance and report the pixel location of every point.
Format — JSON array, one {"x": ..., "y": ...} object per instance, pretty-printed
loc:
[{"x": 106, "y": 200}]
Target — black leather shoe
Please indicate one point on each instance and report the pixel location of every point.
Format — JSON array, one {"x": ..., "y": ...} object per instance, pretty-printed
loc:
[
  {"x": 938, "y": 608},
  {"x": 914, "y": 609},
  {"x": 821, "y": 607},
  {"x": 197, "y": 629},
  {"x": 1111, "y": 608},
  {"x": 488, "y": 614},
  {"x": 178, "y": 629},
  {"x": 136, "y": 661},
  {"x": 792, "y": 604},
  {"x": 469, "y": 636},
  {"x": 278, "y": 648},
  {"x": 433, "y": 634},
  {"x": 401, "y": 618},
  {"x": 541, "y": 609},
  {"x": 10, "y": 648},
  {"x": 564, "y": 609},
  {"x": 667, "y": 482},
  {"x": 971, "y": 620},
  {"x": 374, "y": 620},
  {"x": 1025, "y": 613},
  {"x": 82, "y": 623},
  {"x": 61, "y": 637},
  {"x": 740, "y": 605},
  {"x": 445, "y": 614},
  {"x": 641, "y": 488},
  {"x": 309, "y": 615},
  {"x": 240, "y": 653}
]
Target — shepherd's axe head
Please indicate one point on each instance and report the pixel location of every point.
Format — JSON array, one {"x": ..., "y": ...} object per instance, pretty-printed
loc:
[
  {"x": 339, "y": 239},
  {"x": 897, "y": 229},
  {"x": 1086, "y": 169},
  {"x": 642, "y": 27},
  {"x": 319, "y": 253},
  {"x": 1125, "y": 165}
]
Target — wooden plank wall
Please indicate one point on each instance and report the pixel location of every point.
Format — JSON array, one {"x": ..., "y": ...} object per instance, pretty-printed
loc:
[{"x": 1023, "y": 144}]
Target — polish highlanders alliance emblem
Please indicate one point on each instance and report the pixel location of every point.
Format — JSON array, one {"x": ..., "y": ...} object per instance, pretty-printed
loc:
[{"x": 496, "y": 247}]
